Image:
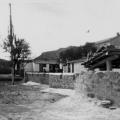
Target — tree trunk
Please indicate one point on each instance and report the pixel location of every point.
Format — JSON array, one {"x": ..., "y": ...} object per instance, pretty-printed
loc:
[{"x": 13, "y": 74}]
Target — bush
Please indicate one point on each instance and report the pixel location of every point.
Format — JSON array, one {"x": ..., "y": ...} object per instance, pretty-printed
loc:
[{"x": 5, "y": 70}]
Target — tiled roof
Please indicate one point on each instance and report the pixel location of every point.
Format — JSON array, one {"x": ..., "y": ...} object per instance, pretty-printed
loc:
[{"x": 76, "y": 61}]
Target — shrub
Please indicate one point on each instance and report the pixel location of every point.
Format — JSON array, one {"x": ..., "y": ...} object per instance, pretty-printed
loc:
[{"x": 5, "y": 70}]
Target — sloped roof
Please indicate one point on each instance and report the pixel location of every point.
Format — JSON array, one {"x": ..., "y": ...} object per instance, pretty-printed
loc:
[
  {"x": 47, "y": 61},
  {"x": 77, "y": 61},
  {"x": 96, "y": 60},
  {"x": 106, "y": 40},
  {"x": 111, "y": 41},
  {"x": 51, "y": 55}
]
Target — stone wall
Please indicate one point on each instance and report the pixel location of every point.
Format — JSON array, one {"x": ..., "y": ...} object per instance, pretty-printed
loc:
[
  {"x": 42, "y": 78},
  {"x": 55, "y": 80},
  {"x": 62, "y": 81},
  {"x": 101, "y": 85}
]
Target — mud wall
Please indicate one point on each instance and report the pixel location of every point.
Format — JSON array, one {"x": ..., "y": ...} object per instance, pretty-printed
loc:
[
  {"x": 55, "y": 80},
  {"x": 101, "y": 85},
  {"x": 62, "y": 81}
]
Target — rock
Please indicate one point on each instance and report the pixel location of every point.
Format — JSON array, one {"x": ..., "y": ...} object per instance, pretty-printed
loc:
[
  {"x": 106, "y": 103},
  {"x": 112, "y": 108}
]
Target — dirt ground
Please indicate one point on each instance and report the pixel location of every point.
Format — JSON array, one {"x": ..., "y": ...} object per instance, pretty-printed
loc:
[{"x": 39, "y": 102}]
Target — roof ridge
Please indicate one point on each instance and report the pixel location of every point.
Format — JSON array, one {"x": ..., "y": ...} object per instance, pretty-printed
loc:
[{"x": 107, "y": 39}]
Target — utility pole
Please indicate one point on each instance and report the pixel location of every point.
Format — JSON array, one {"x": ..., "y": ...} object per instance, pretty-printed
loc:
[{"x": 11, "y": 37}]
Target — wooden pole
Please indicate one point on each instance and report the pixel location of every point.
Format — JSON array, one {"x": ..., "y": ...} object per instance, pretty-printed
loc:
[
  {"x": 108, "y": 65},
  {"x": 12, "y": 47}
]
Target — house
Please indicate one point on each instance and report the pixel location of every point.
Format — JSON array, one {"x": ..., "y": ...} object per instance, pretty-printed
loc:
[
  {"x": 48, "y": 62},
  {"x": 74, "y": 66}
]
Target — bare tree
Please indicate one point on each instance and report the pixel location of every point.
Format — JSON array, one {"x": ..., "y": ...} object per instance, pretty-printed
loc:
[{"x": 18, "y": 48}]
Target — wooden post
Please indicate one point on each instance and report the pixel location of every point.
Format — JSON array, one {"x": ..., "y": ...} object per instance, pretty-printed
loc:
[
  {"x": 108, "y": 65},
  {"x": 72, "y": 67},
  {"x": 12, "y": 47}
]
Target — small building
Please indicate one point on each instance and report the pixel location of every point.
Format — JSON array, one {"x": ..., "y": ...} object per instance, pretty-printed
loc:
[
  {"x": 107, "y": 58},
  {"x": 48, "y": 62},
  {"x": 41, "y": 66},
  {"x": 74, "y": 66},
  {"x": 47, "y": 66}
]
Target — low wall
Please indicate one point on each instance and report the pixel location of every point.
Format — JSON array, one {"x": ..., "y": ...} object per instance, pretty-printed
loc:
[
  {"x": 62, "y": 81},
  {"x": 55, "y": 80},
  {"x": 101, "y": 85},
  {"x": 42, "y": 78}
]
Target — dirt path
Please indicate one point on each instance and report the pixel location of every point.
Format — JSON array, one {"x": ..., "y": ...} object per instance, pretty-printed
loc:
[
  {"x": 73, "y": 107},
  {"x": 76, "y": 108}
]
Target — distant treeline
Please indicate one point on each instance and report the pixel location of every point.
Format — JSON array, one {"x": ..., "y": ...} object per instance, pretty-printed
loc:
[{"x": 74, "y": 53}]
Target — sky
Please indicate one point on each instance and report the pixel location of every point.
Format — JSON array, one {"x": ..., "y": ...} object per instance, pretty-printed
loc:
[{"x": 52, "y": 24}]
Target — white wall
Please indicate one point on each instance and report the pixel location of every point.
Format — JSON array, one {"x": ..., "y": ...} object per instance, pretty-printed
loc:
[
  {"x": 35, "y": 67},
  {"x": 61, "y": 66},
  {"x": 70, "y": 68},
  {"x": 116, "y": 70},
  {"x": 29, "y": 66},
  {"x": 65, "y": 69},
  {"x": 78, "y": 68}
]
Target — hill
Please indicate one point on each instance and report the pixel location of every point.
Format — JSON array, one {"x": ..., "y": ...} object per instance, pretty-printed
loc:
[
  {"x": 53, "y": 55},
  {"x": 68, "y": 53}
]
